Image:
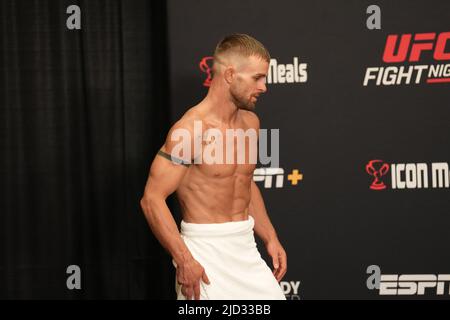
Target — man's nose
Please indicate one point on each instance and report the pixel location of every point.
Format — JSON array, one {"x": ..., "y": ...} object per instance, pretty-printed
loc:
[{"x": 262, "y": 88}]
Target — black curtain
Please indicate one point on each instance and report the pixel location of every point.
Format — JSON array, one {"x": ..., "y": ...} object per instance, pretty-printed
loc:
[{"x": 82, "y": 115}]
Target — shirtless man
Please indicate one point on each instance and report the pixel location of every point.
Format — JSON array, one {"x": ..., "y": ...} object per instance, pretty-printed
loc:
[{"x": 215, "y": 254}]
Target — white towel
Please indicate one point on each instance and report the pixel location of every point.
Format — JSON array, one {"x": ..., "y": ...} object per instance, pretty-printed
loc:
[{"x": 231, "y": 260}]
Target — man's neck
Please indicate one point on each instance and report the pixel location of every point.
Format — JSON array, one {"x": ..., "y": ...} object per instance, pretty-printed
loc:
[{"x": 220, "y": 106}]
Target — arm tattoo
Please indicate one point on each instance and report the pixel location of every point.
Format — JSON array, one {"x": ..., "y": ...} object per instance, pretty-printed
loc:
[{"x": 173, "y": 159}]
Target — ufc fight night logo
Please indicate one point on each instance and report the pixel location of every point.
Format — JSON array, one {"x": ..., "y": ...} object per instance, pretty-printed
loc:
[
  {"x": 407, "y": 175},
  {"x": 407, "y": 284},
  {"x": 412, "y": 48}
]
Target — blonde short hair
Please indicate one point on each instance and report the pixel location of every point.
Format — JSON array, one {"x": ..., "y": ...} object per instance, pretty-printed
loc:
[{"x": 241, "y": 44}]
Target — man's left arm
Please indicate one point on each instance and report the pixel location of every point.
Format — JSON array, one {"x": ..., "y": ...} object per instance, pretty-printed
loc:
[{"x": 265, "y": 230}]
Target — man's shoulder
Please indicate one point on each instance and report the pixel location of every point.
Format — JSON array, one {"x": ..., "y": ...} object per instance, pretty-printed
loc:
[
  {"x": 250, "y": 118},
  {"x": 184, "y": 131},
  {"x": 189, "y": 119}
]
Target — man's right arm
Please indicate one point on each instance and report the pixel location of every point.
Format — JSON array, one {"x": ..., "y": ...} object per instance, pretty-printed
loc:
[{"x": 164, "y": 178}]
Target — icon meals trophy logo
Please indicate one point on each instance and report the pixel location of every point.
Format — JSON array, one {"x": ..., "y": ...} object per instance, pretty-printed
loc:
[
  {"x": 377, "y": 169},
  {"x": 206, "y": 65}
]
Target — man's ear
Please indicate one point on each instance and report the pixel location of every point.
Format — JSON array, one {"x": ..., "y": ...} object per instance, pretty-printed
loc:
[{"x": 229, "y": 74}]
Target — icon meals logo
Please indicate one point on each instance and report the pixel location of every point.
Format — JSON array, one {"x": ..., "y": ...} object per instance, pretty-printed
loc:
[
  {"x": 287, "y": 73},
  {"x": 279, "y": 73},
  {"x": 206, "y": 67},
  {"x": 408, "y": 175},
  {"x": 377, "y": 169}
]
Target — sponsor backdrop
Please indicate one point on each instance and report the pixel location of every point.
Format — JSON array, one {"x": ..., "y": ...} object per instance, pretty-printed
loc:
[
  {"x": 359, "y": 92},
  {"x": 360, "y": 96}
]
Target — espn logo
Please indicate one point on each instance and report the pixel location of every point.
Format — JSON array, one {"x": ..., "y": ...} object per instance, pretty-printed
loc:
[
  {"x": 267, "y": 175},
  {"x": 407, "y": 284}
]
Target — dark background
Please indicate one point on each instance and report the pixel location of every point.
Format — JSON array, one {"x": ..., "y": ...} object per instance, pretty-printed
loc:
[{"x": 83, "y": 113}]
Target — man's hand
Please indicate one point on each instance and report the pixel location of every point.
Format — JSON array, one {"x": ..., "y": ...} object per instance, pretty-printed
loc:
[
  {"x": 189, "y": 275},
  {"x": 279, "y": 258}
]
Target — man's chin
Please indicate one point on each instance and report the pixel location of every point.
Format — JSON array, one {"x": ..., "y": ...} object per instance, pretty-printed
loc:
[{"x": 249, "y": 106}]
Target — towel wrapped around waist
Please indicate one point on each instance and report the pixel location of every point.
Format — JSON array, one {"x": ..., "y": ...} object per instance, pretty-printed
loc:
[{"x": 231, "y": 260}]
